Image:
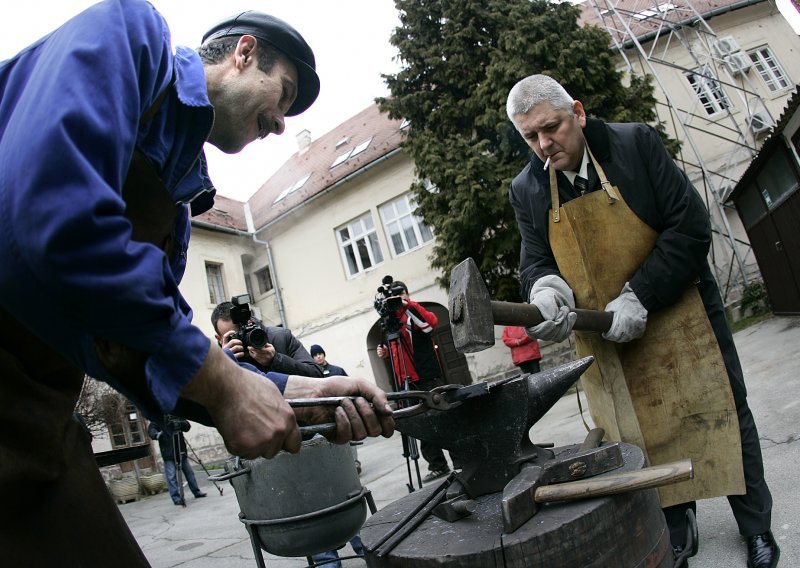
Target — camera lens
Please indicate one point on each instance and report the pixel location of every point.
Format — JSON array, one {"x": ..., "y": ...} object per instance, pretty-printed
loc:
[{"x": 257, "y": 338}]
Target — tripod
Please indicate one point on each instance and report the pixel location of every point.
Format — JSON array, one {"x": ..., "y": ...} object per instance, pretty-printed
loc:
[
  {"x": 177, "y": 456},
  {"x": 197, "y": 460},
  {"x": 410, "y": 446}
]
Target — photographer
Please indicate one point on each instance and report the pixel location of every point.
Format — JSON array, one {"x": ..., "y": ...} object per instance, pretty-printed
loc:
[
  {"x": 173, "y": 450},
  {"x": 268, "y": 348},
  {"x": 413, "y": 355}
]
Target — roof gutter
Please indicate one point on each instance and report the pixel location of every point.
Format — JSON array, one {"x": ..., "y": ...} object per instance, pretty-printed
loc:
[
  {"x": 328, "y": 189},
  {"x": 688, "y": 21},
  {"x": 248, "y": 215},
  {"x": 219, "y": 229}
]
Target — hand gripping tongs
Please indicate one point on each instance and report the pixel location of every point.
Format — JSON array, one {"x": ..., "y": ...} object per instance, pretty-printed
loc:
[{"x": 441, "y": 398}]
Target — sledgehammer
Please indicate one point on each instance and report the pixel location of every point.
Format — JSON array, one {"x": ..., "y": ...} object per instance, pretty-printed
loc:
[{"x": 473, "y": 314}]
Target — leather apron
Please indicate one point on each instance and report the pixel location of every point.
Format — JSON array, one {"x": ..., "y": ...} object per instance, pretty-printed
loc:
[
  {"x": 56, "y": 509},
  {"x": 667, "y": 392}
]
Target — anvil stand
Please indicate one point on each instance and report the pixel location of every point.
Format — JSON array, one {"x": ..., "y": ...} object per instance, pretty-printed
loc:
[{"x": 252, "y": 525}]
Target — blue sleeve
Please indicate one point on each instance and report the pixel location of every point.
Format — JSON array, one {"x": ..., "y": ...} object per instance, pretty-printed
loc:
[
  {"x": 280, "y": 379},
  {"x": 69, "y": 119}
]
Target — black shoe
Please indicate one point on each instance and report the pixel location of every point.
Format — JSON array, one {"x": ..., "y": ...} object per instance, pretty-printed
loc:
[
  {"x": 762, "y": 551},
  {"x": 199, "y": 495},
  {"x": 678, "y": 553},
  {"x": 435, "y": 474}
]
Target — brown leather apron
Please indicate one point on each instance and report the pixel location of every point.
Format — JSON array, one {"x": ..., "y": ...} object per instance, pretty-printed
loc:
[
  {"x": 55, "y": 507},
  {"x": 667, "y": 392}
]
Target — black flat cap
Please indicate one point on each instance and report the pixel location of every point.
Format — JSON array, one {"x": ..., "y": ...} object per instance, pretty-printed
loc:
[{"x": 283, "y": 37}]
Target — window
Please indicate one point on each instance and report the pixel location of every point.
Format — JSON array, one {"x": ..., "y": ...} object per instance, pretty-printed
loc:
[
  {"x": 406, "y": 231},
  {"x": 341, "y": 158},
  {"x": 708, "y": 90},
  {"x": 264, "y": 280},
  {"x": 129, "y": 430},
  {"x": 359, "y": 245},
  {"x": 769, "y": 69},
  {"x": 292, "y": 188},
  {"x": 660, "y": 9},
  {"x": 216, "y": 289}
]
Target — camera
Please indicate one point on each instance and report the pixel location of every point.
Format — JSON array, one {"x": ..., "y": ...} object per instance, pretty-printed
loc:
[
  {"x": 176, "y": 423},
  {"x": 388, "y": 300},
  {"x": 249, "y": 333}
]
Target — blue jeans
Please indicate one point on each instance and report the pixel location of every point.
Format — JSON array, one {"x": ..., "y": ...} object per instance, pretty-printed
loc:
[
  {"x": 172, "y": 479},
  {"x": 332, "y": 556}
]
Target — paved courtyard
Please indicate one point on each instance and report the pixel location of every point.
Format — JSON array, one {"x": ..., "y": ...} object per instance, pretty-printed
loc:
[{"x": 208, "y": 534}]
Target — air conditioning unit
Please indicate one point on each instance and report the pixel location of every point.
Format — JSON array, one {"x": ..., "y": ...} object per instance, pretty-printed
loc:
[
  {"x": 737, "y": 63},
  {"x": 760, "y": 122},
  {"x": 725, "y": 45}
]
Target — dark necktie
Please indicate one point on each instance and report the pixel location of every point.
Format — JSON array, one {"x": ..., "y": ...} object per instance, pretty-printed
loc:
[{"x": 581, "y": 185}]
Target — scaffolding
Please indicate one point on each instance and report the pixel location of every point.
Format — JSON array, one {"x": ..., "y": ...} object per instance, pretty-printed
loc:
[{"x": 662, "y": 39}]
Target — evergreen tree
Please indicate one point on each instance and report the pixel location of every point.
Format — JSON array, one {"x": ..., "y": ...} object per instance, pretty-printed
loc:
[{"x": 460, "y": 59}]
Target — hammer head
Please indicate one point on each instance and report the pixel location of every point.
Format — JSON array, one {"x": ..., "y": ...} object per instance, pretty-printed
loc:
[{"x": 471, "y": 319}]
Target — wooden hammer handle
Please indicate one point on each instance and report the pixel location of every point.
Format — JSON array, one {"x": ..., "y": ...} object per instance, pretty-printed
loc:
[
  {"x": 528, "y": 315},
  {"x": 646, "y": 478}
]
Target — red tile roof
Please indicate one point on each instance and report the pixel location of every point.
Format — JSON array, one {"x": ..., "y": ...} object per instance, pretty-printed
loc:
[
  {"x": 227, "y": 213},
  {"x": 370, "y": 124}
]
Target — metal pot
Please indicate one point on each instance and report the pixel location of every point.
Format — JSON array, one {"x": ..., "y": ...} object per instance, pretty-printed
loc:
[{"x": 300, "y": 504}]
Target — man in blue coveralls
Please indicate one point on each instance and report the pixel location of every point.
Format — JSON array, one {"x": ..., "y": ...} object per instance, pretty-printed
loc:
[{"x": 102, "y": 129}]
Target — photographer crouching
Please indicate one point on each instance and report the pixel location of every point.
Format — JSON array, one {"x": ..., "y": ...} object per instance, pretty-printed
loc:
[
  {"x": 267, "y": 348},
  {"x": 412, "y": 351},
  {"x": 173, "y": 451}
]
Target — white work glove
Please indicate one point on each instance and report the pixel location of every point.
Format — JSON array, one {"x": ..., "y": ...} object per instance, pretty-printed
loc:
[
  {"x": 555, "y": 300},
  {"x": 630, "y": 317}
]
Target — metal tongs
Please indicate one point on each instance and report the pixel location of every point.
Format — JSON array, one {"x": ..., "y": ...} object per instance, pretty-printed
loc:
[
  {"x": 436, "y": 399},
  {"x": 445, "y": 397}
]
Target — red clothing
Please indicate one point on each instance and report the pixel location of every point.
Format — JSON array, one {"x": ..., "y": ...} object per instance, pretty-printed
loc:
[
  {"x": 523, "y": 348},
  {"x": 419, "y": 357}
]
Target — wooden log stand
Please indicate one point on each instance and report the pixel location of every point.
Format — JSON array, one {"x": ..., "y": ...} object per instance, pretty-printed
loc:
[{"x": 620, "y": 531}]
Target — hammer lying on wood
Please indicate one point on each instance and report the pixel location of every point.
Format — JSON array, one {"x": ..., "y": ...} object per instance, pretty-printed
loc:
[
  {"x": 473, "y": 314},
  {"x": 553, "y": 481}
]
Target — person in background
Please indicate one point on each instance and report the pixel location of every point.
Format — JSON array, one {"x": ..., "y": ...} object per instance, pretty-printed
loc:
[
  {"x": 525, "y": 352},
  {"x": 610, "y": 222},
  {"x": 283, "y": 352},
  {"x": 415, "y": 360},
  {"x": 173, "y": 451},
  {"x": 102, "y": 128},
  {"x": 328, "y": 370}
]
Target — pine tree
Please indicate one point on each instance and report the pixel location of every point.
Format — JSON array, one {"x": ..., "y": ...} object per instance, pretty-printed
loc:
[{"x": 460, "y": 59}]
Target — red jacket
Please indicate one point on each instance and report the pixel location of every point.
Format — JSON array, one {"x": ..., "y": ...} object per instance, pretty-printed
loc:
[
  {"x": 523, "y": 348},
  {"x": 419, "y": 357}
]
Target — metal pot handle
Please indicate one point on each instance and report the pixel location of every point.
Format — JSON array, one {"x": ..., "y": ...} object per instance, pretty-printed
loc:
[{"x": 235, "y": 473}]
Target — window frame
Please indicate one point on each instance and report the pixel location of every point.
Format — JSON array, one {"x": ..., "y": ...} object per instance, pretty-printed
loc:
[
  {"x": 762, "y": 66},
  {"x": 269, "y": 278},
  {"x": 221, "y": 275},
  {"x": 370, "y": 238},
  {"x": 707, "y": 88},
  {"x": 415, "y": 220}
]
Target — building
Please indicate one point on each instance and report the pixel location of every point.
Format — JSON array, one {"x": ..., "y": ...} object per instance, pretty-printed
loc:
[
  {"x": 768, "y": 201},
  {"x": 722, "y": 72}
]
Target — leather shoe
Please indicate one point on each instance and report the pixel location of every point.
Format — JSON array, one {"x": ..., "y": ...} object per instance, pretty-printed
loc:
[
  {"x": 762, "y": 551},
  {"x": 199, "y": 495},
  {"x": 677, "y": 553}
]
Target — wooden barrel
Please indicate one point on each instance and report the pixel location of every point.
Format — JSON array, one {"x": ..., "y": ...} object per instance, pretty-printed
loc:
[{"x": 620, "y": 531}]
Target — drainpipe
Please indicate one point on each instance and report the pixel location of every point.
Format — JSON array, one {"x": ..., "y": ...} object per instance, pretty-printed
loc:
[{"x": 248, "y": 215}]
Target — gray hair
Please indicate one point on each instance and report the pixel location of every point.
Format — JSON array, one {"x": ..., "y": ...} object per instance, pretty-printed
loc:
[{"x": 536, "y": 89}]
